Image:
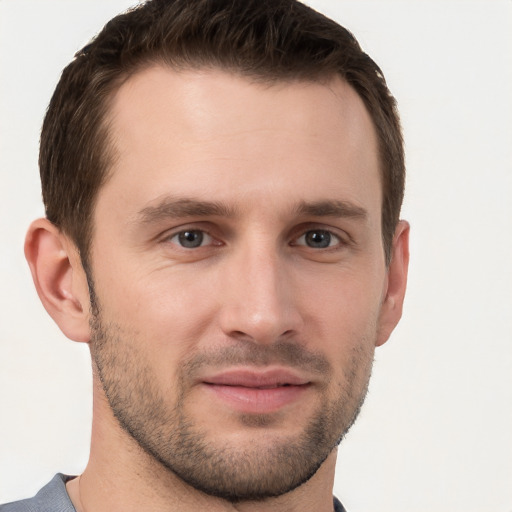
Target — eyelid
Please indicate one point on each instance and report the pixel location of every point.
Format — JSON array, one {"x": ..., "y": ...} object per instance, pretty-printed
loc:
[
  {"x": 168, "y": 235},
  {"x": 207, "y": 239},
  {"x": 333, "y": 235},
  {"x": 342, "y": 236}
]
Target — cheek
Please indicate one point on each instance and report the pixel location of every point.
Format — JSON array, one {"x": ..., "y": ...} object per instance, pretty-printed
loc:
[
  {"x": 350, "y": 291},
  {"x": 341, "y": 311},
  {"x": 168, "y": 311}
]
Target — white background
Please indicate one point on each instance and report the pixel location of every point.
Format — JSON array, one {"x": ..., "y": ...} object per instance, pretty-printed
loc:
[{"x": 435, "y": 434}]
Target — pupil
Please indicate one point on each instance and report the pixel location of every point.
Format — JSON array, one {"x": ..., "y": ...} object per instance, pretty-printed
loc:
[
  {"x": 318, "y": 239},
  {"x": 191, "y": 239}
]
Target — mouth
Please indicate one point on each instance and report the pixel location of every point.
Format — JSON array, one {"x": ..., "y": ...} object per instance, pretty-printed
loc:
[{"x": 257, "y": 392}]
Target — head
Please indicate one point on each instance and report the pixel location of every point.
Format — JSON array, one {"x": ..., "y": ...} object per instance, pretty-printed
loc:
[{"x": 224, "y": 181}]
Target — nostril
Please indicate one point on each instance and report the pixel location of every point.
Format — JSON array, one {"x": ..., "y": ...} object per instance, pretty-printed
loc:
[{"x": 239, "y": 334}]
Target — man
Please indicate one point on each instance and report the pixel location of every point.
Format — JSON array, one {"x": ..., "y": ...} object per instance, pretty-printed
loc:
[{"x": 222, "y": 182}]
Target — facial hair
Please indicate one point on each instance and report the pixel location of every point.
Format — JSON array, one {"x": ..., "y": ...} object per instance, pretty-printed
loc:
[{"x": 204, "y": 460}]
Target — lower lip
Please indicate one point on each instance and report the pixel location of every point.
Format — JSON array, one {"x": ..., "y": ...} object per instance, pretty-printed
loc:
[{"x": 257, "y": 400}]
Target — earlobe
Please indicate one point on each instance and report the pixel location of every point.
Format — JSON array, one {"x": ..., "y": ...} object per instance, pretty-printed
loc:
[
  {"x": 59, "y": 278},
  {"x": 391, "y": 309}
]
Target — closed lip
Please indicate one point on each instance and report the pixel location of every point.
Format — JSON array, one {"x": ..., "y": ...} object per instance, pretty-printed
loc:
[
  {"x": 257, "y": 391},
  {"x": 257, "y": 378}
]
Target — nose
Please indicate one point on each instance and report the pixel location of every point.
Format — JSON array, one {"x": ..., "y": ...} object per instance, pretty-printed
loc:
[{"x": 259, "y": 300}]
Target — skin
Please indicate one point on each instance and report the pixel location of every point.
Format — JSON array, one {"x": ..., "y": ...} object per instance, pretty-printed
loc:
[{"x": 272, "y": 157}]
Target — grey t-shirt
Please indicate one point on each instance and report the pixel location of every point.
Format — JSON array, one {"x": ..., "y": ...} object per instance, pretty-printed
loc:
[
  {"x": 51, "y": 498},
  {"x": 54, "y": 498}
]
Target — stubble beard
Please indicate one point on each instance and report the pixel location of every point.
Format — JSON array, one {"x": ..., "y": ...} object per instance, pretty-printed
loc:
[{"x": 205, "y": 461}]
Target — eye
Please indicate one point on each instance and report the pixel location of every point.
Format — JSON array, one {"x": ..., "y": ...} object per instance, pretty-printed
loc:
[
  {"x": 191, "y": 239},
  {"x": 318, "y": 239}
]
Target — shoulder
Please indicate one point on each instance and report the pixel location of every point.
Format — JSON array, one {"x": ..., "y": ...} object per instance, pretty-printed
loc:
[
  {"x": 52, "y": 497},
  {"x": 338, "y": 507}
]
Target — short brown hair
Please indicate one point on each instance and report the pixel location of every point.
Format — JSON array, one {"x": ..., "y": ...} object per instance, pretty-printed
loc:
[{"x": 268, "y": 40}]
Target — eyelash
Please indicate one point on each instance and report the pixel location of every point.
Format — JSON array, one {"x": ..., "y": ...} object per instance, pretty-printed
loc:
[
  {"x": 330, "y": 236},
  {"x": 184, "y": 232},
  {"x": 339, "y": 241}
]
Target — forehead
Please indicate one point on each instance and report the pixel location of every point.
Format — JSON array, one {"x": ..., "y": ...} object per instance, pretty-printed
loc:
[{"x": 205, "y": 133}]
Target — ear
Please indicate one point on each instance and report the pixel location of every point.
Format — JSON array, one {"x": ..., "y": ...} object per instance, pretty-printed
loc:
[
  {"x": 59, "y": 278},
  {"x": 391, "y": 309}
]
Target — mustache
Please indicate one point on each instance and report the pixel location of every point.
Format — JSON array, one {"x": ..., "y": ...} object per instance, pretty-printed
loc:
[{"x": 252, "y": 354}]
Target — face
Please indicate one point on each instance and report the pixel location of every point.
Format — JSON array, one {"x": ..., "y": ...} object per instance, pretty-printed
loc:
[{"x": 239, "y": 275}]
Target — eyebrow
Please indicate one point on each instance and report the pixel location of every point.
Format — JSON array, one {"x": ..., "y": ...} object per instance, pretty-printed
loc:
[
  {"x": 332, "y": 208},
  {"x": 182, "y": 208},
  {"x": 185, "y": 207}
]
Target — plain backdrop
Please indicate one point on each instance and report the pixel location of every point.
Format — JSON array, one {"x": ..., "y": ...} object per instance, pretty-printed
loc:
[{"x": 435, "y": 434}]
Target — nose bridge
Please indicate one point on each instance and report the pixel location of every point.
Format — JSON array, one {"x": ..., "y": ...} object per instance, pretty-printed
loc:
[{"x": 259, "y": 302}]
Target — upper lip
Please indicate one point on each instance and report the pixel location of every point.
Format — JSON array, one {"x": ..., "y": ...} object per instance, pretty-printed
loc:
[{"x": 256, "y": 378}]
